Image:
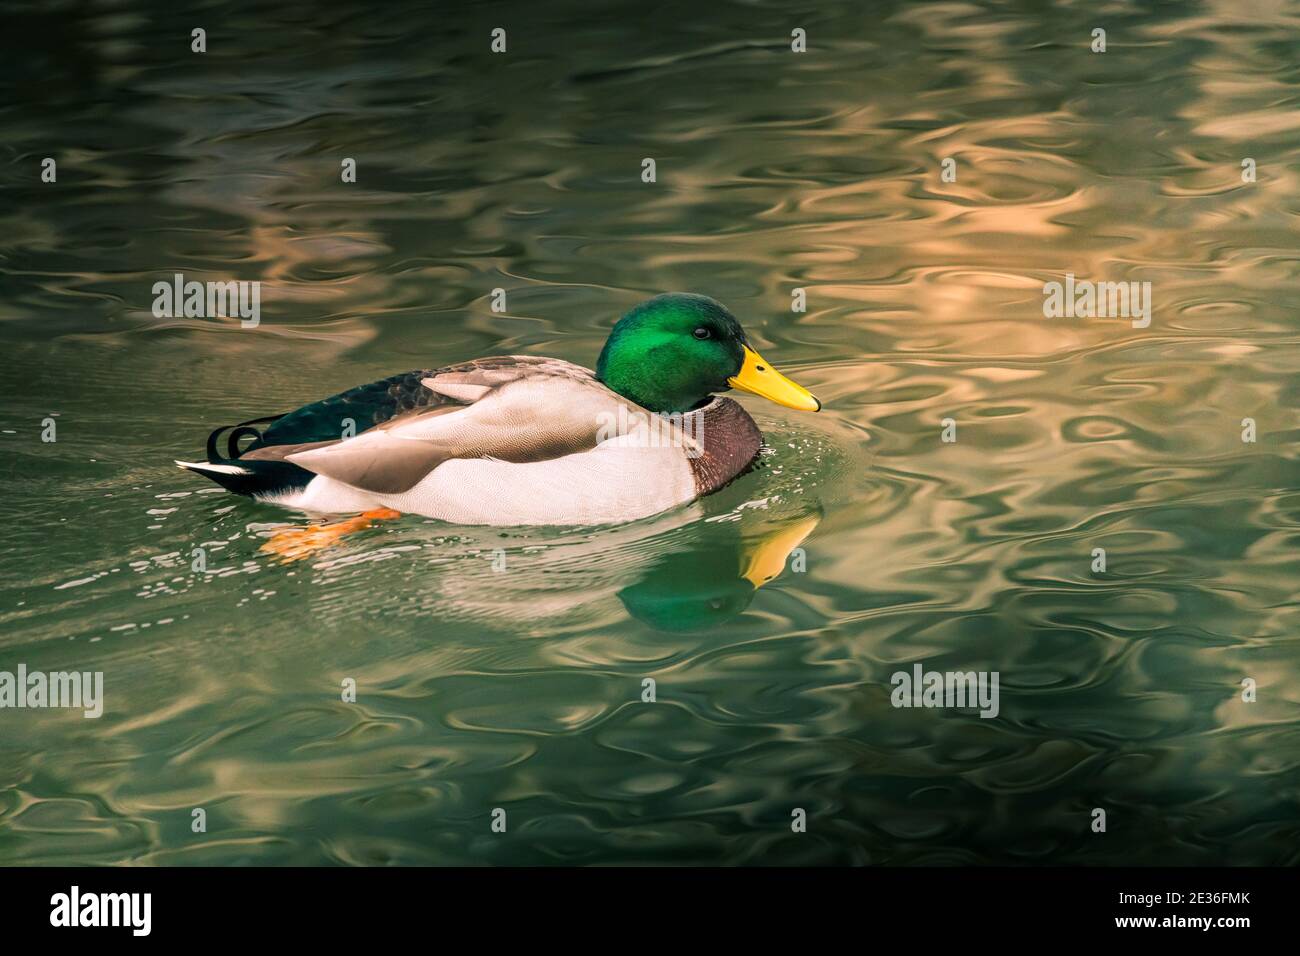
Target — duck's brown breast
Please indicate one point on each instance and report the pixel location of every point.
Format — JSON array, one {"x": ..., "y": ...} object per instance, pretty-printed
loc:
[{"x": 730, "y": 442}]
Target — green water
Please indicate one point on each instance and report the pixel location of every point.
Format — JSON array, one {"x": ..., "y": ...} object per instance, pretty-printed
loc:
[{"x": 521, "y": 689}]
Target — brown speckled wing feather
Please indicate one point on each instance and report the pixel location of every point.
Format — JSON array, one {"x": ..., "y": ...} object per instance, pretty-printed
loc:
[{"x": 517, "y": 409}]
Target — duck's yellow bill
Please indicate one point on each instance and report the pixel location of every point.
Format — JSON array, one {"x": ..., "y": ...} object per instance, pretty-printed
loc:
[{"x": 758, "y": 377}]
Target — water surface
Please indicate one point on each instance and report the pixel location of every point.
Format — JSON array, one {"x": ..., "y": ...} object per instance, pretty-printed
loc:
[{"x": 522, "y": 689}]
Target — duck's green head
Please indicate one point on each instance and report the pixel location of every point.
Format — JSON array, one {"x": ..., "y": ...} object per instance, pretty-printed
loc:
[{"x": 672, "y": 352}]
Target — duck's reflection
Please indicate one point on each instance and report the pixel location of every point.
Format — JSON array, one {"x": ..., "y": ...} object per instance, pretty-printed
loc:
[
  {"x": 693, "y": 589},
  {"x": 682, "y": 573}
]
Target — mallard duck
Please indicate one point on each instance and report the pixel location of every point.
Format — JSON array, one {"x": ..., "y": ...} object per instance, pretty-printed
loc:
[{"x": 524, "y": 440}]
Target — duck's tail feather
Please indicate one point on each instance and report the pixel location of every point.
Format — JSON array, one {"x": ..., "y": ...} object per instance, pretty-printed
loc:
[
  {"x": 255, "y": 477},
  {"x": 237, "y": 432}
]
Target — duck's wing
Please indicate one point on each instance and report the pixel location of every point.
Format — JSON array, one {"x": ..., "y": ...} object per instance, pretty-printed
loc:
[
  {"x": 513, "y": 408},
  {"x": 377, "y": 402},
  {"x": 365, "y": 406}
]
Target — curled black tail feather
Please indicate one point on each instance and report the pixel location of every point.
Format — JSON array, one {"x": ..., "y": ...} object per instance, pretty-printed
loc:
[{"x": 236, "y": 433}]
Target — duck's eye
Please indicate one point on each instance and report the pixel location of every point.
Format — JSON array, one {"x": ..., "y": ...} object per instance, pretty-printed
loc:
[{"x": 703, "y": 333}]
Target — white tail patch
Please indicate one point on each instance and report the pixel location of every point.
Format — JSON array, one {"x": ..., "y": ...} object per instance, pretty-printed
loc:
[{"x": 206, "y": 466}]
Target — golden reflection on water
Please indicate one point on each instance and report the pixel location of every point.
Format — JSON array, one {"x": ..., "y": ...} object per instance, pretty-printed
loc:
[{"x": 775, "y": 172}]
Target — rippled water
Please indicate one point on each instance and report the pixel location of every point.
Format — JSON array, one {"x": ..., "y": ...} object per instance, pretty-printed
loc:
[{"x": 522, "y": 689}]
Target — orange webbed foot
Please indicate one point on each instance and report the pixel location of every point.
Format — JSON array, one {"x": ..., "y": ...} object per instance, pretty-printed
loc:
[{"x": 294, "y": 544}]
